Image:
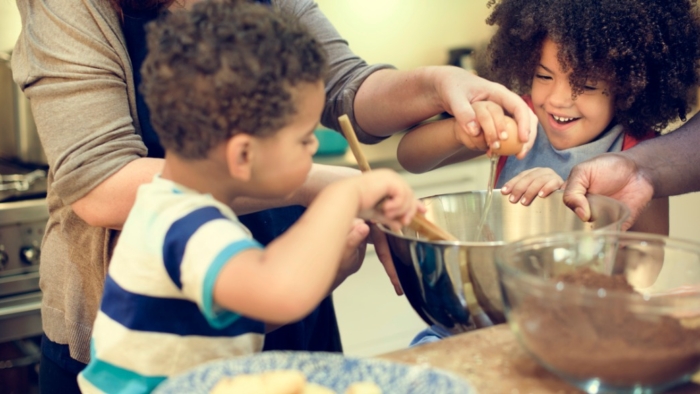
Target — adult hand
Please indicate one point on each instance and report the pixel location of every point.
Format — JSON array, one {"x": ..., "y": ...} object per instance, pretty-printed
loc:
[
  {"x": 614, "y": 175},
  {"x": 381, "y": 247},
  {"x": 354, "y": 253},
  {"x": 458, "y": 88}
]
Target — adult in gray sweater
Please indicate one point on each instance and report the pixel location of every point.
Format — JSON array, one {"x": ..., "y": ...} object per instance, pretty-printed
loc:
[{"x": 78, "y": 62}]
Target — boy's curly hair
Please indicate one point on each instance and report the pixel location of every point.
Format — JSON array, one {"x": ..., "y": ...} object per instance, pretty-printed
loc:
[
  {"x": 647, "y": 49},
  {"x": 225, "y": 67}
]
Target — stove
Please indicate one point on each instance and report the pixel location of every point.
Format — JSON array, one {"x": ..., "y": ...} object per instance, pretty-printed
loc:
[{"x": 23, "y": 217}]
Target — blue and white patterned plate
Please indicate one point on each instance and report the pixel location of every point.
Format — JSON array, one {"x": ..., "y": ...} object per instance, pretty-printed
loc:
[{"x": 328, "y": 369}]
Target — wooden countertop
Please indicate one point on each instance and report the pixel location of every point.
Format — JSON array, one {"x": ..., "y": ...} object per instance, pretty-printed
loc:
[{"x": 493, "y": 362}]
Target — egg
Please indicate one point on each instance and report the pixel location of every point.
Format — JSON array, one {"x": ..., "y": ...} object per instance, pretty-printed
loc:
[{"x": 511, "y": 145}]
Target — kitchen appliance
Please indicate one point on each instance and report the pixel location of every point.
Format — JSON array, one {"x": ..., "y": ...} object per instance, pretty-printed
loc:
[
  {"x": 23, "y": 217},
  {"x": 18, "y": 137}
]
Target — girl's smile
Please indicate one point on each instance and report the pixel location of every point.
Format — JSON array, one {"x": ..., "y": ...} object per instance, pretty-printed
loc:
[{"x": 568, "y": 122}]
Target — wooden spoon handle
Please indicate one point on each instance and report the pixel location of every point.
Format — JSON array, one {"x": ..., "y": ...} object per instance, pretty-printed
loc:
[
  {"x": 350, "y": 135},
  {"x": 419, "y": 223}
]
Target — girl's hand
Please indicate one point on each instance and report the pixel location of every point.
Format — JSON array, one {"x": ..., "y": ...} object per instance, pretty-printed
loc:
[
  {"x": 491, "y": 121},
  {"x": 471, "y": 142},
  {"x": 535, "y": 182}
]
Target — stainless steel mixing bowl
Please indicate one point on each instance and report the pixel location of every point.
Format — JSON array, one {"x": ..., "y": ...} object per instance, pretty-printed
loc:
[{"x": 432, "y": 272}]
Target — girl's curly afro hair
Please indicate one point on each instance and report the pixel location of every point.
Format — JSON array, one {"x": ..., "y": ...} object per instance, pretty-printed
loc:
[{"x": 647, "y": 49}]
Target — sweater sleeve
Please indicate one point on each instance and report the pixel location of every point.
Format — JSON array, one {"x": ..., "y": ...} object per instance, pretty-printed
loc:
[
  {"x": 347, "y": 71},
  {"x": 71, "y": 62}
]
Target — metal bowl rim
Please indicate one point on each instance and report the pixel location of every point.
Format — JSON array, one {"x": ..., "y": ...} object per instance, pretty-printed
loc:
[{"x": 388, "y": 231}]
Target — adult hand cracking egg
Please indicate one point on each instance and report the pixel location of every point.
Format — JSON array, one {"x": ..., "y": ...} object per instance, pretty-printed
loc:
[
  {"x": 491, "y": 117},
  {"x": 436, "y": 144}
]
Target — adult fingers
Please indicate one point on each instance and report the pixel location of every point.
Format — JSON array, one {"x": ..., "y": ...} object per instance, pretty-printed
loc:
[{"x": 381, "y": 246}]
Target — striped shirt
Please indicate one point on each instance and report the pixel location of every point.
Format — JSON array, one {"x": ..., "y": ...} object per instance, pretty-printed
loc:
[{"x": 157, "y": 316}]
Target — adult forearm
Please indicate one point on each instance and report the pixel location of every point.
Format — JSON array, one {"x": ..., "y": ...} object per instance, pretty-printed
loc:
[
  {"x": 392, "y": 100},
  {"x": 671, "y": 162},
  {"x": 108, "y": 204}
]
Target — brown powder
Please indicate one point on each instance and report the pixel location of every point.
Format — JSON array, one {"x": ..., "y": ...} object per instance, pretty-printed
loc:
[{"x": 613, "y": 344}]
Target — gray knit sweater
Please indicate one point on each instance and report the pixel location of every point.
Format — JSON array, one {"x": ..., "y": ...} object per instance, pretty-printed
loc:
[{"x": 72, "y": 63}]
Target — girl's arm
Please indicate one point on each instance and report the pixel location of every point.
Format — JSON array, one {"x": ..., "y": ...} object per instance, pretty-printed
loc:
[
  {"x": 432, "y": 145},
  {"x": 436, "y": 144}
]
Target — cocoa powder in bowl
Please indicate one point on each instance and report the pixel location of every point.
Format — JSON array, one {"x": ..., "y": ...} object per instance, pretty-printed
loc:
[{"x": 604, "y": 339}]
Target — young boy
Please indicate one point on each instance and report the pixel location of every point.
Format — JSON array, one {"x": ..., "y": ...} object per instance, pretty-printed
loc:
[{"x": 235, "y": 92}]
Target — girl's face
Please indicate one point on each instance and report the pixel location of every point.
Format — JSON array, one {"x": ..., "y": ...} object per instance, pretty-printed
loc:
[{"x": 568, "y": 122}]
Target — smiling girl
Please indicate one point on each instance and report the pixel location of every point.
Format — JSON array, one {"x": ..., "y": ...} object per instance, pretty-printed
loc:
[{"x": 600, "y": 75}]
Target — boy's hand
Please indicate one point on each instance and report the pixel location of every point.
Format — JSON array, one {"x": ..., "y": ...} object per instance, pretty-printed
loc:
[
  {"x": 535, "y": 182},
  {"x": 386, "y": 198}
]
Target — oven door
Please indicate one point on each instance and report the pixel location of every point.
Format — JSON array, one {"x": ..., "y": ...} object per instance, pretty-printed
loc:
[{"x": 20, "y": 316}]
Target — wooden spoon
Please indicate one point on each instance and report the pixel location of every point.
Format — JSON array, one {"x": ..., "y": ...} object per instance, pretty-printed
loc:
[{"x": 419, "y": 223}]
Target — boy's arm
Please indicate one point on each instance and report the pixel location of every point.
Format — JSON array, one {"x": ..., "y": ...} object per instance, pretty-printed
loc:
[
  {"x": 287, "y": 279},
  {"x": 320, "y": 176}
]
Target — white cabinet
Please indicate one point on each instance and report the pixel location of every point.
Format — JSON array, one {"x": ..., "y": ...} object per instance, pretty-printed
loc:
[{"x": 685, "y": 216}]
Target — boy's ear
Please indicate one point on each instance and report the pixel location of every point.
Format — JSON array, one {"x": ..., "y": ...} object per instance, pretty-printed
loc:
[{"x": 239, "y": 156}]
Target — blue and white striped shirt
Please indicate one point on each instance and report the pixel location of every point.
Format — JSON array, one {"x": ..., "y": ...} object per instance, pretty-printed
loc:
[{"x": 157, "y": 316}]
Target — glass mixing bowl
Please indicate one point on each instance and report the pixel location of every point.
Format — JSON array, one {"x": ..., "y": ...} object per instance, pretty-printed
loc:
[{"x": 607, "y": 311}]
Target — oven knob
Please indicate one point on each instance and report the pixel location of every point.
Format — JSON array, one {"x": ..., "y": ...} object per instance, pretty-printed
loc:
[
  {"x": 3, "y": 259},
  {"x": 29, "y": 255}
]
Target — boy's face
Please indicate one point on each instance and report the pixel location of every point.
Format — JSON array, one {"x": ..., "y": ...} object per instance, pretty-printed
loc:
[
  {"x": 283, "y": 160},
  {"x": 568, "y": 122}
]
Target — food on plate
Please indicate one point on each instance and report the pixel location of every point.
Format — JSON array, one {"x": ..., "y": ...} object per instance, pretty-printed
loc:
[
  {"x": 273, "y": 382},
  {"x": 363, "y": 388},
  {"x": 283, "y": 382},
  {"x": 312, "y": 388}
]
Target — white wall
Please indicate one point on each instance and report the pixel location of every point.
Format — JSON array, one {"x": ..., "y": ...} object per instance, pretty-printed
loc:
[
  {"x": 408, "y": 33},
  {"x": 10, "y": 24}
]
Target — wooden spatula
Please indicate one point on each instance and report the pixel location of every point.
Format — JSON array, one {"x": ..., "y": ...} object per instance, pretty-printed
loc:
[{"x": 420, "y": 223}]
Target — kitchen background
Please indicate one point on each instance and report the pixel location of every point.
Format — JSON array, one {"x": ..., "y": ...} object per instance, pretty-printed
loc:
[{"x": 408, "y": 34}]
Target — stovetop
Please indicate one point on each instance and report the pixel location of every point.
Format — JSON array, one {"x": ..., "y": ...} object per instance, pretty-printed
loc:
[{"x": 21, "y": 181}]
